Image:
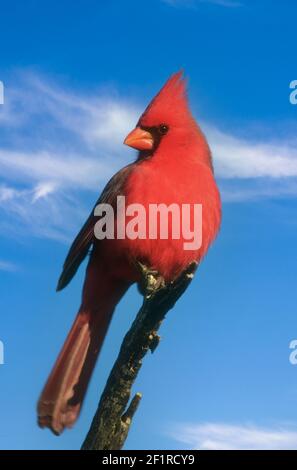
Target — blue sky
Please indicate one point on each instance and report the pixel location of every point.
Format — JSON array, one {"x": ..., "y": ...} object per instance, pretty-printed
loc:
[{"x": 76, "y": 77}]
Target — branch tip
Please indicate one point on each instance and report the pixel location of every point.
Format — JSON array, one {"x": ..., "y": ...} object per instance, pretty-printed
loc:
[{"x": 128, "y": 415}]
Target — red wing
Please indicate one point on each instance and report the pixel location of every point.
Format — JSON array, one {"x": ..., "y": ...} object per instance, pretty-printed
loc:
[{"x": 84, "y": 240}]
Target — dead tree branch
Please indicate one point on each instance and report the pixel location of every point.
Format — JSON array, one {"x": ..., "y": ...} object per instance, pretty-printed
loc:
[{"x": 112, "y": 421}]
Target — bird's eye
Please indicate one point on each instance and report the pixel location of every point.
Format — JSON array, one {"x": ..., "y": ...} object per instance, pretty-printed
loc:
[{"x": 163, "y": 129}]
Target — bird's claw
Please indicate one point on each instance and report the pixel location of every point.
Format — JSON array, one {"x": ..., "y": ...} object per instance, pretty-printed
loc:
[{"x": 150, "y": 281}]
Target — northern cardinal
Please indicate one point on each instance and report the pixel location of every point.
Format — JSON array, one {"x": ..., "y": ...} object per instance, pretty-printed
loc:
[{"x": 173, "y": 165}]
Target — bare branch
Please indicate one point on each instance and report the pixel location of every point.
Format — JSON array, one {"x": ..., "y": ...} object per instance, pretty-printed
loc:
[{"x": 113, "y": 418}]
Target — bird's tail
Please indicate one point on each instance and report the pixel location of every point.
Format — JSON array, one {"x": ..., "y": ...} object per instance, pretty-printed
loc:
[{"x": 61, "y": 399}]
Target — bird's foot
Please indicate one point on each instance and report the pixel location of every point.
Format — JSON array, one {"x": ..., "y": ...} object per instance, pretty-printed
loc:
[{"x": 150, "y": 281}]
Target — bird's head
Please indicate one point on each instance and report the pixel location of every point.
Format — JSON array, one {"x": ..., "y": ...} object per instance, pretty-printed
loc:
[{"x": 167, "y": 120}]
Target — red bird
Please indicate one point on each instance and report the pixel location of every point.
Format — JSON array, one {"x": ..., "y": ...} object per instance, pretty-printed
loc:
[{"x": 174, "y": 165}]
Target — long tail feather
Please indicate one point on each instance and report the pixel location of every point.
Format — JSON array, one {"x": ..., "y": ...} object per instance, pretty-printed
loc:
[
  {"x": 61, "y": 399},
  {"x": 62, "y": 396}
]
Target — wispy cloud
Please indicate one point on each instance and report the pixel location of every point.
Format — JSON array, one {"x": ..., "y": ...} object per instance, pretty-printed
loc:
[
  {"x": 250, "y": 169},
  {"x": 239, "y": 158},
  {"x": 222, "y": 436},
  {"x": 66, "y": 170},
  {"x": 56, "y": 143},
  {"x": 39, "y": 211}
]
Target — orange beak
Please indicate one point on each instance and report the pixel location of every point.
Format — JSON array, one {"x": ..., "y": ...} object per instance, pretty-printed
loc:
[{"x": 139, "y": 139}]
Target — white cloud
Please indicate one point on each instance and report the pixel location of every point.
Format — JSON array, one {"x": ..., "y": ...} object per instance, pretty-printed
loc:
[
  {"x": 65, "y": 170},
  {"x": 56, "y": 143},
  {"x": 42, "y": 190},
  {"x": 239, "y": 158},
  {"x": 222, "y": 436},
  {"x": 98, "y": 119},
  {"x": 39, "y": 211}
]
